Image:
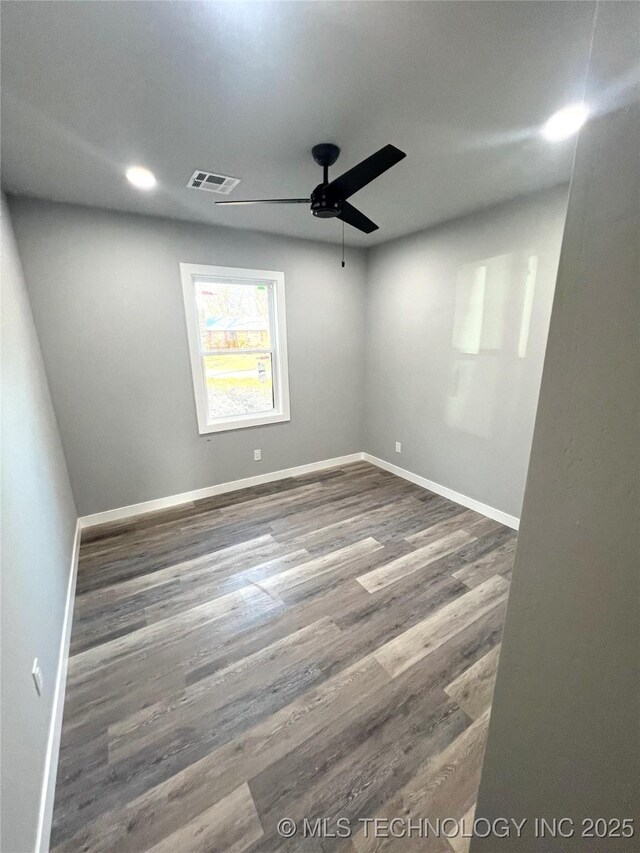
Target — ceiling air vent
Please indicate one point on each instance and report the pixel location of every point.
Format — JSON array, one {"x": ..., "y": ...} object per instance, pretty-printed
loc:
[{"x": 212, "y": 183}]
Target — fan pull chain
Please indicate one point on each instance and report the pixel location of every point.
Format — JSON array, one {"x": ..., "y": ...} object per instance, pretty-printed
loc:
[{"x": 343, "y": 244}]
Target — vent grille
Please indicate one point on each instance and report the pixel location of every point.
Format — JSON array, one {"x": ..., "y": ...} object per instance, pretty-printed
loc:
[{"x": 212, "y": 183}]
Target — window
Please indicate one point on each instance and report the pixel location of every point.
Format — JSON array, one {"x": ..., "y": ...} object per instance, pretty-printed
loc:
[{"x": 237, "y": 337}]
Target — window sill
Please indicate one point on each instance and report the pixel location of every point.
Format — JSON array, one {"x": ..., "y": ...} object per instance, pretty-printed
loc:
[{"x": 243, "y": 423}]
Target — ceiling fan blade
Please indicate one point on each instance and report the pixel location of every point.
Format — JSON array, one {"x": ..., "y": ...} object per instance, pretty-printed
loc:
[
  {"x": 268, "y": 201},
  {"x": 365, "y": 172},
  {"x": 352, "y": 216}
]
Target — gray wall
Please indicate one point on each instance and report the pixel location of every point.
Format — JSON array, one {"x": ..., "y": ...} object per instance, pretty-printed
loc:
[
  {"x": 456, "y": 330},
  {"x": 452, "y": 364},
  {"x": 38, "y": 524},
  {"x": 565, "y": 724},
  {"x": 107, "y": 299}
]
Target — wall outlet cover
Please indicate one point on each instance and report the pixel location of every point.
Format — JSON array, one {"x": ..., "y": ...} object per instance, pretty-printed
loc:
[
  {"x": 398, "y": 447},
  {"x": 257, "y": 455}
]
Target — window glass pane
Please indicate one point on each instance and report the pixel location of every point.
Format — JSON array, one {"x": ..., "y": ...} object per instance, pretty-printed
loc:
[
  {"x": 238, "y": 384},
  {"x": 233, "y": 316}
]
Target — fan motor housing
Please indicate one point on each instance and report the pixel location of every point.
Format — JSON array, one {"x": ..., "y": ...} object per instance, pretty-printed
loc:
[{"x": 323, "y": 205}]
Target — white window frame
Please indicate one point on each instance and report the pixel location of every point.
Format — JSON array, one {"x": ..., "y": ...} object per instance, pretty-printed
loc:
[{"x": 278, "y": 350}]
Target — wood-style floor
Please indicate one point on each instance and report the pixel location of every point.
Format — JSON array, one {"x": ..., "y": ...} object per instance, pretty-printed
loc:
[{"x": 320, "y": 647}]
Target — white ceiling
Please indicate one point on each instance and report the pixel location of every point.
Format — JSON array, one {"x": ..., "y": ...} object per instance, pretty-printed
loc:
[{"x": 246, "y": 89}]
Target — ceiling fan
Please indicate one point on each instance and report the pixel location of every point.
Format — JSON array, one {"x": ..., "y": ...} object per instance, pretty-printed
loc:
[{"x": 329, "y": 199}]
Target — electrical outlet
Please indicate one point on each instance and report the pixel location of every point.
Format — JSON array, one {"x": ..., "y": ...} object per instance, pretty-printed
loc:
[
  {"x": 36, "y": 674},
  {"x": 398, "y": 447},
  {"x": 257, "y": 455}
]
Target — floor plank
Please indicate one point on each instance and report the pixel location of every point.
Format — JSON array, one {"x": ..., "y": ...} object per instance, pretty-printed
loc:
[
  {"x": 232, "y": 824},
  {"x": 462, "y": 842},
  {"x": 474, "y": 688},
  {"x": 445, "y": 786},
  {"x": 416, "y": 643},
  {"x": 414, "y": 561}
]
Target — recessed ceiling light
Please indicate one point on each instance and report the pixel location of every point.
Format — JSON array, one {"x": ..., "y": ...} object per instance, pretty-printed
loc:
[
  {"x": 565, "y": 122},
  {"x": 141, "y": 178}
]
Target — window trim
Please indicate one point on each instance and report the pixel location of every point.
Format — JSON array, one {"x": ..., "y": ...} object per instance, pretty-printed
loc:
[{"x": 280, "y": 364}]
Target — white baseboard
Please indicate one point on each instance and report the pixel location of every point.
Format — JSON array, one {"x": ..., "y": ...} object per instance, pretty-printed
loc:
[
  {"x": 55, "y": 728},
  {"x": 123, "y": 512},
  {"x": 470, "y": 503}
]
